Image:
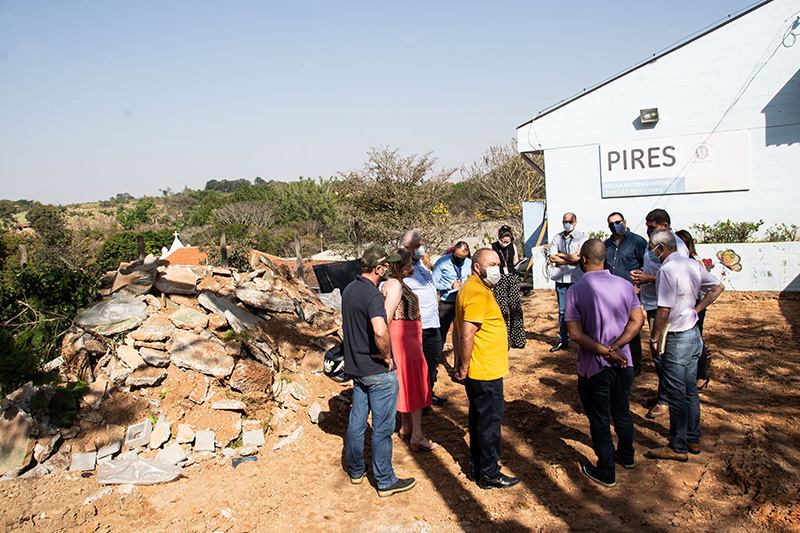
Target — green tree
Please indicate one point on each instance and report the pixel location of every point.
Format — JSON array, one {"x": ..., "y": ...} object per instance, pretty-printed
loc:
[
  {"x": 142, "y": 213},
  {"x": 392, "y": 193},
  {"x": 124, "y": 247},
  {"x": 7, "y": 211}
]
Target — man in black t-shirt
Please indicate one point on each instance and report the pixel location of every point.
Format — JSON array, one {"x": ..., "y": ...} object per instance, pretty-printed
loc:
[{"x": 368, "y": 360}]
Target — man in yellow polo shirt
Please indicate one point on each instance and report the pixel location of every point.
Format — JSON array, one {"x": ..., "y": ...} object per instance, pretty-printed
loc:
[{"x": 481, "y": 362}]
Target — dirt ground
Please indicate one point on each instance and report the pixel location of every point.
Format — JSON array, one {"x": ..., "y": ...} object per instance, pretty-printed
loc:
[{"x": 746, "y": 478}]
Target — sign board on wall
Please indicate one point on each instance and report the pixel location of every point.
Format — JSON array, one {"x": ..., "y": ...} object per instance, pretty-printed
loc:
[{"x": 676, "y": 165}]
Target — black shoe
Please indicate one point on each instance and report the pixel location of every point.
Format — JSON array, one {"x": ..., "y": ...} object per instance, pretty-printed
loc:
[
  {"x": 591, "y": 472},
  {"x": 559, "y": 346},
  {"x": 401, "y": 485},
  {"x": 427, "y": 410},
  {"x": 637, "y": 370},
  {"x": 631, "y": 465},
  {"x": 438, "y": 400},
  {"x": 501, "y": 481}
]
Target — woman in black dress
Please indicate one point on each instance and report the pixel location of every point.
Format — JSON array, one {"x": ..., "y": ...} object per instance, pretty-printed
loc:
[{"x": 506, "y": 291}]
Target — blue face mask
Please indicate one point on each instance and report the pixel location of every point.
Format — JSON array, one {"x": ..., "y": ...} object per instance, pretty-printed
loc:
[
  {"x": 617, "y": 228},
  {"x": 653, "y": 257}
]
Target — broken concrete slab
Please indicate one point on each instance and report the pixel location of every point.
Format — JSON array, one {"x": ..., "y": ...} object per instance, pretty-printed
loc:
[
  {"x": 240, "y": 320},
  {"x": 154, "y": 329},
  {"x": 83, "y": 462},
  {"x": 315, "y": 413},
  {"x": 204, "y": 441},
  {"x": 199, "y": 391},
  {"x": 201, "y": 354},
  {"x": 153, "y": 357},
  {"x": 36, "y": 472},
  {"x": 252, "y": 377},
  {"x": 153, "y": 345},
  {"x": 253, "y": 437},
  {"x": 228, "y": 405},
  {"x": 229, "y": 452},
  {"x": 138, "y": 434},
  {"x": 109, "y": 450},
  {"x": 172, "y": 454},
  {"x": 185, "y": 434},
  {"x": 269, "y": 301},
  {"x": 42, "y": 452},
  {"x": 130, "y": 356},
  {"x": 97, "y": 495},
  {"x": 291, "y": 439},
  {"x": 97, "y": 391},
  {"x": 160, "y": 434},
  {"x": 176, "y": 280},
  {"x": 109, "y": 330},
  {"x": 15, "y": 441},
  {"x": 188, "y": 318},
  {"x": 216, "y": 322},
  {"x": 146, "y": 377},
  {"x": 247, "y": 451}
]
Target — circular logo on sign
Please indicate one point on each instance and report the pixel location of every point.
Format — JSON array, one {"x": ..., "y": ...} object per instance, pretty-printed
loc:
[{"x": 702, "y": 151}]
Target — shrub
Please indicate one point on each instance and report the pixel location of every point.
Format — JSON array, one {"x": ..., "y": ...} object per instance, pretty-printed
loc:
[
  {"x": 602, "y": 235},
  {"x": 783, "y": 233},
  {"x": 726, "y": 232}
]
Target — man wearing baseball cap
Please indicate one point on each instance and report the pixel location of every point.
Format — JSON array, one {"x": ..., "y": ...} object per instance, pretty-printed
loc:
[{"x": 368, "y": 360}]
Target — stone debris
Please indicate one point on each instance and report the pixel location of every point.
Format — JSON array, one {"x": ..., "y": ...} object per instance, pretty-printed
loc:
[
  {"x": 172, "y": 454},
  {"x": 83, "y": 462},
  {"x": 229, "y": 452},
  {"x": 160, "y": 434},
  {"x": 154, "y": 357},
  {"x": 204, "y": 441},
  {"x": 199, "y": 391},
  {"x": 246, "y": 451},
  {"x": 185, "y": 434},
  {"x": 291, "y": 439},
  {"x": 130, "y": 356},
  {"x": 188, "y": 318},
  {"x": 229, "y": 405},
  {"x": 109, "y": 450},
  {"x": 42, "y": 452},
  {"x": 97, "y": 495},
  {"x": 254, "y": 437},
  {"x": 138, "y": 434},
  {"x": 146, "y": 377},
  {"x": 97, "y": 391},
  {"x": 36, "y": 472},
  {"x": 201, "y": 354},
  {"x": 315, "y": 413}
]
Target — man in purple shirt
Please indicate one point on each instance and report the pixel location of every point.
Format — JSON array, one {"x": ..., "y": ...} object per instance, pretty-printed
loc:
[{"x": 603, "y": 315}]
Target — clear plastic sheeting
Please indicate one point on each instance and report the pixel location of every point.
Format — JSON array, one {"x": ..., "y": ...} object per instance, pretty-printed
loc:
[
  {"x": 114, "y": 311},
  {"x": 332, "y": 299},
  {"x": 137, "y": 471}
]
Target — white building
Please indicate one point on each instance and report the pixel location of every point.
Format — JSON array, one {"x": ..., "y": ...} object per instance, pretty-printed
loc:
[{"x": 708, "y": 130}]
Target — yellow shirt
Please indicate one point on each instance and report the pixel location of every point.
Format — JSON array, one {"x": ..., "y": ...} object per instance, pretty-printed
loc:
[{"x": 476, "y": 303}]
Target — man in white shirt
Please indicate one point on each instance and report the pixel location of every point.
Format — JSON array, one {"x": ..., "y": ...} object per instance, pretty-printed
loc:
[
  {"x": 565, "y": 254},
  {"x": 656, "y": 220},
  {"x": 677, "y": 284},
  {"x": 421, "y": 282}
]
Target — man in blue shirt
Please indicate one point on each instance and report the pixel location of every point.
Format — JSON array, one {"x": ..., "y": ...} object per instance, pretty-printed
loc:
[
  {"x": 449, "y": 272},
  {"x": 421, "y": 282},
  {"x": 625, "y": 252}
]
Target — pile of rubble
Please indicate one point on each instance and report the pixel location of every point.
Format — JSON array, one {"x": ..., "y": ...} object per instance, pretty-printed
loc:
[{"x": 232, "y": 340}]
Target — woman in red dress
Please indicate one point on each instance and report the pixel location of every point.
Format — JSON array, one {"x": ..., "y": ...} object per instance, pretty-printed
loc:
[{"x": 405, "y": 330}]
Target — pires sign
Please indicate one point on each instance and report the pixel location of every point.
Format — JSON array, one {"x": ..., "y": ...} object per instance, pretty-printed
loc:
[{"x": 676, "y": 165}]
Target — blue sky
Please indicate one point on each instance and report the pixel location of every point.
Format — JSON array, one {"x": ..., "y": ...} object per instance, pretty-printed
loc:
[{"x": 102, "y": 97}]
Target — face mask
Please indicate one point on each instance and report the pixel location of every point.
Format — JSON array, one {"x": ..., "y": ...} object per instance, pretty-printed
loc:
[
  {"x": 617, "y": 228},
  {"x": 385, "y": 275},
  {"x": 491, "y": 276},
  {"x": 408, "y": 273},
  {"x": 458, "y": 261},
  {"x": 650, "y": 231},
  {"x": 419, "y": 252},
  {"x": 653, "y": 257},
  {"x": 569, "y": 226},
  {"x": 504, "y": 244}
]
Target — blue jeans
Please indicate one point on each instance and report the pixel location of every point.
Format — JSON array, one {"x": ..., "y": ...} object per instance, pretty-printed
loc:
[
  {"x": 561, "y": 293},
  {"x": 376, "y": 393},
  {"x": 605, "y": 398},
  {"x": 657, "y": 361},
  {"x": 679, "y": 369}
]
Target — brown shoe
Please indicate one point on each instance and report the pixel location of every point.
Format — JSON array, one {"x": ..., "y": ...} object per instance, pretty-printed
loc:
[
  {"x": 694, "y": 447},
  {"x": 659, "y": 410},
  {"x": 668, "y": 453}
]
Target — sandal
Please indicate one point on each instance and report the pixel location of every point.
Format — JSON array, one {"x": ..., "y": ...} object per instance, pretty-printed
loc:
[
  {"x": 420, "y": 447},
  {"x": 404, "y": 436},
  {"x": 703, "y": 386}
]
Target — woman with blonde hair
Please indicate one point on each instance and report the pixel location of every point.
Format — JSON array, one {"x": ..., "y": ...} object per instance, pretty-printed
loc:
[{"x": 405, "y": 330}]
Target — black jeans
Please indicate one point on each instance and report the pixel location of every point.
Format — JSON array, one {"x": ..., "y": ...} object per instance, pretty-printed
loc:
[
  {"x": 485, "y": 419},
  {"x": 605, "y": 398},
  {"x": 432, "y": 349},
  {"x": 636, "y": 352},
  {"x": 447, "y": 312}
]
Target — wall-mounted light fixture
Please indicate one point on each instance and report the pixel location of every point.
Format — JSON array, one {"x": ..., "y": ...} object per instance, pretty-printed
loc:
[{"x": 649, "y": 116}]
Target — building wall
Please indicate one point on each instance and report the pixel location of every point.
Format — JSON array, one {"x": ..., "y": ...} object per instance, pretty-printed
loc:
[{"x": 740, "y": 77}]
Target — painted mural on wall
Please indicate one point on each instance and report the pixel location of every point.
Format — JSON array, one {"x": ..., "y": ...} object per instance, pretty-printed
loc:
[{"x": 730, "y": 259}]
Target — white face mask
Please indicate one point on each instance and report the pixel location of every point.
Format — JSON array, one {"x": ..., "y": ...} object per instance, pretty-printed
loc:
[
  {"x": 569, "y": 226},
  {"x": 492, "y": 276},
  {"x": 504, "y": 244},
  {"x": 419, "y": 252}
]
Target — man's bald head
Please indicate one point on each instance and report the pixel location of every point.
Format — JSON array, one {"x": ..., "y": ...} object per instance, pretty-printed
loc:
[
  {"x": 484, "y": 258},
  {"x": 593, "y": 255}
]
